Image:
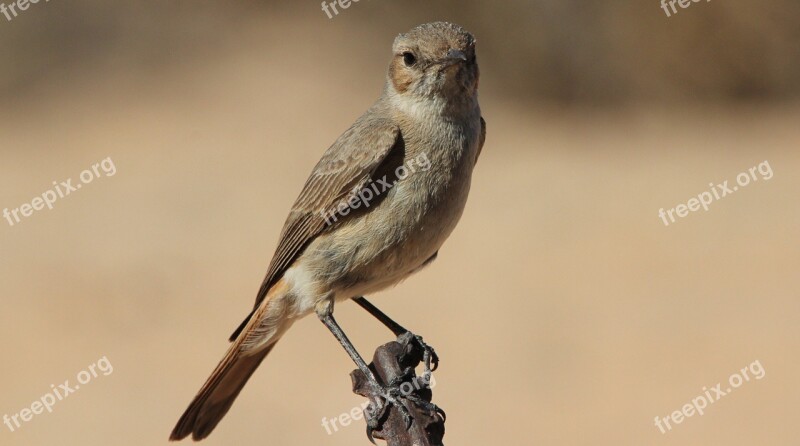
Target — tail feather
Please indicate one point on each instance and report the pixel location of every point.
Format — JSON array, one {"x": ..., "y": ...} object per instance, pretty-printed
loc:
[
  {"x": 241, "y": 326},
  {"x": 217, "y": 395},
  {"x": 263, "y": 329}
]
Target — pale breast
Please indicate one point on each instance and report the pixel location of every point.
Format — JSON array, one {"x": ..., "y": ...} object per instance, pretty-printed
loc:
[{"x": 417, "y": 214}]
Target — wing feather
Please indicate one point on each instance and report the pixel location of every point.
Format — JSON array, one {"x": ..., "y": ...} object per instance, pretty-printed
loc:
[{"x": 345, "y": 168}]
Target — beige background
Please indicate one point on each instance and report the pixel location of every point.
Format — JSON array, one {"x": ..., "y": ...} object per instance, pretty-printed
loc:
[{"x": 563, "y": 309}]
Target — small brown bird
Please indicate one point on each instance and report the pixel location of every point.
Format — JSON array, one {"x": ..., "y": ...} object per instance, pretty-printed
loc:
[{"x": 376, "y": 208}]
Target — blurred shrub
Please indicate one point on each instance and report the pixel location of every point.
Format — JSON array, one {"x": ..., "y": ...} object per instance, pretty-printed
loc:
[{"x": 561, "y": 51}]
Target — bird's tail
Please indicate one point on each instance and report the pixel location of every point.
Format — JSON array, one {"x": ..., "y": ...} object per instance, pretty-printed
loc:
[{"x": 243, "y": 357}]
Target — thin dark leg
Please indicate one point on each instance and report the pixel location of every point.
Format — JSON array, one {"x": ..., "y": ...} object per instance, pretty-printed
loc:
[
  {"x": 396, "y": 328},
  {"x": 337, "y": 331},
  {"x": 389, "y": 394},
  {"x": 430, "y": 358}
]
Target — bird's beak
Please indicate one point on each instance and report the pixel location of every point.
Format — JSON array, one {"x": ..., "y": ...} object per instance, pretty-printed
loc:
[{"x": 454, "y": 56}]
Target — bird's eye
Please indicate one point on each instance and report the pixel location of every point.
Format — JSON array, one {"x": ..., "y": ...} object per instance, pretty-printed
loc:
[{"x": 409, "y": 59}]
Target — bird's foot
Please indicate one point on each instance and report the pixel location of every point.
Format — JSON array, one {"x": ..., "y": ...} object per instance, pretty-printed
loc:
[
  {"x": 381, "y": 400},
  {"x": 430, "y": 359},
  {"x": 431, "y": 408}
]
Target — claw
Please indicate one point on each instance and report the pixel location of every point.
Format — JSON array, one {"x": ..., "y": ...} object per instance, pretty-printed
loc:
[
  {"x": 429, "y": 357},
  {"x": 373, "y": 415},
  {"x": 384, "y": 396},
  {"x": 390, "y": 396},
  {"x": 371, "y": 429}
]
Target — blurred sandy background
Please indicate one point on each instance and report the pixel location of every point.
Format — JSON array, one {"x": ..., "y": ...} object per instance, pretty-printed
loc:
[{"x": 564, "y": 311}]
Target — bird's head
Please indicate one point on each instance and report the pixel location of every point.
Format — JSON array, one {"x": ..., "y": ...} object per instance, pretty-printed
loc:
[{"x": 434, "y": 60}]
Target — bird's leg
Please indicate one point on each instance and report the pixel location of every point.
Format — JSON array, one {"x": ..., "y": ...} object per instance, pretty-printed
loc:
[
  {"x": 389, "y": 393},
  {"x": 429, "y": 357}
]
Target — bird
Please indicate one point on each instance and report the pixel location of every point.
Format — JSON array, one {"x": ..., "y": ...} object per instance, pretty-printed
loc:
[{"x": 376, "y": 209}]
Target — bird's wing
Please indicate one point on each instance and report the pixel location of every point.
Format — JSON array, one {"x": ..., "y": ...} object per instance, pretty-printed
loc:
[{"x": 345, "y": 168}]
